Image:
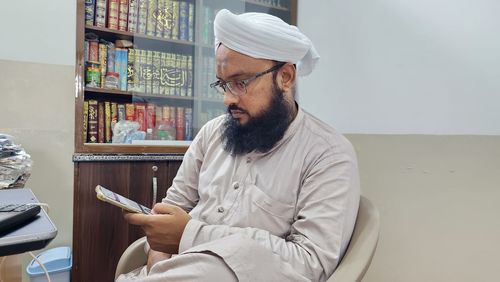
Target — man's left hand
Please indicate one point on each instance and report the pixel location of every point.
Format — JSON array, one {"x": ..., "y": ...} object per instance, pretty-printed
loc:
[{"x": 163, "y": 228}]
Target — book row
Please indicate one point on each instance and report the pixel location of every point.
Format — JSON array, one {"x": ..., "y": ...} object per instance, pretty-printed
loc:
[
  {"x": 273, "y": 3},
  {"x": 170, "y": 19},
  {"x": 137, "y": 70},
  {"x": 102, "y": 120}
]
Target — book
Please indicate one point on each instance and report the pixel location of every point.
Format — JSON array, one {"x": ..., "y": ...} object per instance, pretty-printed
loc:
[
  {"x": 179, "y": 124},
  {"x": 168, "y": 20},
  {"x": 142, "y": 16},
  {"x": 123, "y": 15},
  {"x": 190, "y": 76},
  {"x": 191, "y": 22},
  {"x": 183, "y": 80},
  {"x": 148, "y": 75},
  {"x": 121, "y": 112},
  {"x": 113, "y": 13},
  {"x": 141, "y": 63},
  {"x": 92, "y": 122},
  {"x": 150, "y": 117},
  {"x": 89, "y": 12},
  {"x": 85, "y": 120},
  {"x": 188, "y": 124},
  {"x": 163, "y": 73},
  {"x": 100, "y": 123},
  {"x": 100, "y": 13},
  {"x": 151, "y": 21},
  {"x": 175, "y": 20},
  {"x": 103, "y": 53},
  {"x": 129, "y": 112},
  {"x": 111, "y": 58},
  {"x": 107, "y": 122},
  {"x": 133, "y": 13},
  {"x": 140, "y": 115},
  {"x": 158, "y": 16},
  {"x": 183, "y": 20},
  {"x": 130, "y": 69},
  {"x": 121, "y": 67},
  {"x": 155, "y": 72},
  {"x": 114, "y": 115}
]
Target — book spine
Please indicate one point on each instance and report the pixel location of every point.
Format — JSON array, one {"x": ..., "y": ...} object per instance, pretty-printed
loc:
[
  {"x": 142, "y": 16},
  {"x": 85, "y": 120},
  {"x": 100, "y": 13},
  {"x": 123, "y": 15},
  {"x": 167, "y": 28},
  {"x": 211, "y": 76},
  {"x": 121, "y": 67},
  {"x": 191, "y": 22},
  {"x": 89, "y": 12},
  {"x": 175, "y": 20},
  {"x": 107, "y": 121},
  {"x": 140, "y": 115},
  {"x": 169, "y": 79},
  {"x": 149, "y": 75},
  {"x": 131, "y": 70},
  {"x": 113, "y": 12},
  {"x": 206, "y": 25},
  {"x": 93, "y": 51},
  {"x": 156, "y": 72},
  {"x": 100, "y": 123},
  {"x": 111, "y": 57},
  {"x": 133, "y": 12},
  {"x": 114, "y": 116},
  {"x": 183, "y": 80},
  {"x": 151, "y": 22},
  {"x": 142, "y": 64},
  {"x": 163, "y": 73},
  {"x": 158, "y": 17},
  {"x": 190, "y": 76},
  {"x": 179, "y": 124},
  {"x": 121, "y": 112},
  {"x": 180, "y": 75},
  {"x": 183, "y": 20},
  {"x": 150, "y": 117},
  {"x": 188, "y": 124},
  {"x": 86, "y": 51},
  {"x": 130, "y": 111},
  {"x": 92, "y": 123},
  {"x": 103, "y": 53}
]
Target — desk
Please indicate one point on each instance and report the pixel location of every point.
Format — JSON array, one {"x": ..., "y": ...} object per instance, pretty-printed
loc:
[{"x": 33, "y": 236}]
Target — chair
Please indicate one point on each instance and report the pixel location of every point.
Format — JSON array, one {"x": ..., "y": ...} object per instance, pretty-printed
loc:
[{"x": 352, "y": 267}]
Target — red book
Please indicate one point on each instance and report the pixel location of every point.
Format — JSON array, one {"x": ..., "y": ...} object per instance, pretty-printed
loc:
[
  {"x": 140, "y": 115},
  {"x": 123, "y": 15},
  {"x": 113, "y": 13},
  {"x": 179, "y": 122},
  {"x": 130, "y": 112},
  {"x": 150, "y": 116}
]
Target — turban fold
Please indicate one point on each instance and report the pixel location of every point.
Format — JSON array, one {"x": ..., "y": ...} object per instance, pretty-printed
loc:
[{"x": 263, "y": 36}]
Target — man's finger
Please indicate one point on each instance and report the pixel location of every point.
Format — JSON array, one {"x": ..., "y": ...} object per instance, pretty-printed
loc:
[
  {"x": 135, "y": 218},
  {"x": 162, "y": 208}
]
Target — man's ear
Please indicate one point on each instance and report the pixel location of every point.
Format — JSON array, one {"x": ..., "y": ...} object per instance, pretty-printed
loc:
[{"x": 286, "y": 77}]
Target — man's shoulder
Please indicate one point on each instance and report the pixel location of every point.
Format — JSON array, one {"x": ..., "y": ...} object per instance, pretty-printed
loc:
[{"x": 324, "y": 134}]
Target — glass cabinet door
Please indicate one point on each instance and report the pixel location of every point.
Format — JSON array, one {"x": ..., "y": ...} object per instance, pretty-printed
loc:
[{"x": 144, "y": 69}]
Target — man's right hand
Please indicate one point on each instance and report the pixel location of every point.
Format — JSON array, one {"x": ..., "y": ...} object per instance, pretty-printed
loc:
[{"x": 155, "y": 256}]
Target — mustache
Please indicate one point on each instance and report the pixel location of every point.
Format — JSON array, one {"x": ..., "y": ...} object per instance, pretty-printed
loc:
[{"x": 233, "y": 107}]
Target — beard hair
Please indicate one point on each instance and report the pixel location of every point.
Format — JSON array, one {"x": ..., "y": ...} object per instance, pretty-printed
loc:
[{"x": 261, "y": 132}]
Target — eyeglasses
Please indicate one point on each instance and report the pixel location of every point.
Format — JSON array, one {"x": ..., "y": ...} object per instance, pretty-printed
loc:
[{"x": 239, "y": 87}]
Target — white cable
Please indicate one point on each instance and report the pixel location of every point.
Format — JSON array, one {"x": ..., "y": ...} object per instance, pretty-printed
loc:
[
  {"x": 41, "y": 264},
  {"x": 44, "y": 205}
]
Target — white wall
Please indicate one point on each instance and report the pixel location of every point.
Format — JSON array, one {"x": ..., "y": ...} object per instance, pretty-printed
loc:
[
  {"x": 404, "y": 66},
  {"x": 38, "y": 31}
]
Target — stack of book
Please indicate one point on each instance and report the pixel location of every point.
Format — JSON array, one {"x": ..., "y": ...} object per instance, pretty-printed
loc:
[
  {"x": 170, "y": 19},
  {"x": 99, "y": 118},
  {"x": 143, "y": 71}
]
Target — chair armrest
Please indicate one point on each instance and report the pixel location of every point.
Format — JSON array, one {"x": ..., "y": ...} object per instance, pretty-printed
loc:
[{"x": 133, "y": 257}]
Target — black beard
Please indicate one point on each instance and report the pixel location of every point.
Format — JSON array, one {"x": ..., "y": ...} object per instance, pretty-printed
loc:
[{"x": 260, "y": 133}]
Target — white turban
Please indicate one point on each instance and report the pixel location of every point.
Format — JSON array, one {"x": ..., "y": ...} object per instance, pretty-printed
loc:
[{"x": 263, "y": 36}]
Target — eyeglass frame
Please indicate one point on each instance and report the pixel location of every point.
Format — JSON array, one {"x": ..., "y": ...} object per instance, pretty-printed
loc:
[{"x": 223, "y": 85}]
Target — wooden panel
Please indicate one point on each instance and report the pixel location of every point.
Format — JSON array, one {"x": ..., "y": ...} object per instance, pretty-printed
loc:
[{"x": 100, "y": 232}]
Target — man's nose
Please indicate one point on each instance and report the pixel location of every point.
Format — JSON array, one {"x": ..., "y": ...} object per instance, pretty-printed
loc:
[{"x": 229, "y": 98}]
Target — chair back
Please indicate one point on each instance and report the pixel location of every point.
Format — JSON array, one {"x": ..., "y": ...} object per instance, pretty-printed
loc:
[{"x": 362, "y": 245}]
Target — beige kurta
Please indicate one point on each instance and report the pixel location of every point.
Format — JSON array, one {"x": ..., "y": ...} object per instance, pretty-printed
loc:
[{"x": 284, "y": 215}]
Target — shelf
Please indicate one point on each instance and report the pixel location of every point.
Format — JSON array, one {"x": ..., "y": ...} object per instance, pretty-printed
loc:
[
  {"x": 106, "y": 32},
  {"x": 266, "y": 5},
  {"x": 137, "y": 94},
  {"x": 130, "y": 148}
]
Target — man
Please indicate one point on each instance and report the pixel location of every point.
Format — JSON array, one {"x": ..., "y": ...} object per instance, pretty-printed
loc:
[{"x": 272, "y": 192}]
